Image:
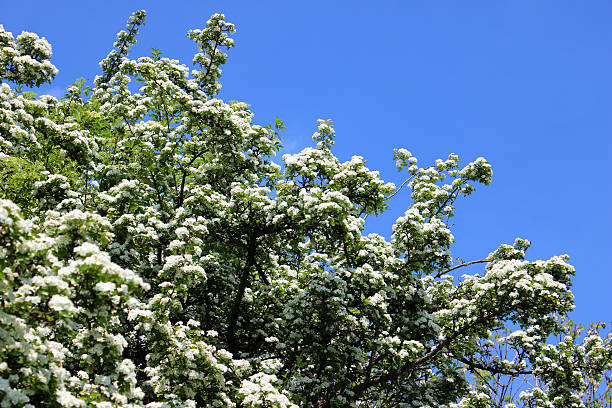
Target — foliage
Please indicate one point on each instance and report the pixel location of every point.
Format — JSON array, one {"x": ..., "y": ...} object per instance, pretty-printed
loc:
[{"x": 153, "y": 254}]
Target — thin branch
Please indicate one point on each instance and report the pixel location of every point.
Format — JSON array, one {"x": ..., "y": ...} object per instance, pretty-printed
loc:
[
  {"x": 180, "y": 199},
  {"x": 400, "y": 187},
  {"x": 461, "y": 265},
  {"x": 396, "y": 191},
  {"x": 452, "y": 196},
  {"x": 411, "y": 367},
  {"x": 493, "y": 370}
]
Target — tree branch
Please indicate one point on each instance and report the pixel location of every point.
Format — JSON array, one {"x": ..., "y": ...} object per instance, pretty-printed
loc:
[
  {"x": 395, "y": 192},
  {"x": 461, "y": 265},
  {"x": 493, "y": 370},
  {"x": 242, "y": 285}
]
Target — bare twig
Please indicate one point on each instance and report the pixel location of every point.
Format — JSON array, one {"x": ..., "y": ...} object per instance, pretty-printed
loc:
[
  {"x": 461, "y": 265},
  {"x": 395, "y": 192}
]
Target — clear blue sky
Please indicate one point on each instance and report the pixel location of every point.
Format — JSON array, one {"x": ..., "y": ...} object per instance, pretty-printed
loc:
[{"x": 526, "y": 84}]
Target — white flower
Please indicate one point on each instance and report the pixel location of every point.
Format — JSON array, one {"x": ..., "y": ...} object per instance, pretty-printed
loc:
[
  {"x": 66, "y": 399},
  {"x": 61, "y": 303},
  {"x": 193, "y": 323},
  {"x": 105, "y": 287},
  {"x": 181, "y": 232},
  {"x": 86, "y": 249}
]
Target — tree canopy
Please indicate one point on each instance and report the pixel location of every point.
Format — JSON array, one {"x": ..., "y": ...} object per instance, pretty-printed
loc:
[{"x": 153, "y": 253}]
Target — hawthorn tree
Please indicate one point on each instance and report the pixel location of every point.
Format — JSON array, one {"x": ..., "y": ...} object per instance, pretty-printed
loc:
[{"x": 153, "y": 254}]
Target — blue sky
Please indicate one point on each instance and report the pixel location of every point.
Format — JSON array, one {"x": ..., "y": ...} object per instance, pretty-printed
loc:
[{"x": 526, "y": 84}]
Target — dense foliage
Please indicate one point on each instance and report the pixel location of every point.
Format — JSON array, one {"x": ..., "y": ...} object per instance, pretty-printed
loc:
[{"x": 153, "y": 253}]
